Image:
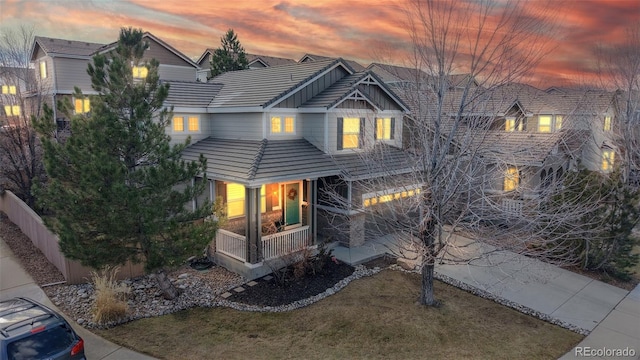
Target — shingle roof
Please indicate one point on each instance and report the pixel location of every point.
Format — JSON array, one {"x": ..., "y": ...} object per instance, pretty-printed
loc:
[
  {"x": 256, "y": 162},
  {"x": 517, "y": 148},
  {"x": 191, "y": 94},
  {"x": 311, "y": 58},
  {"x": 269, "y": 60},
  {"x": 388, "y": 160},
  {"x": 336, "y": 92},
  {"x": 261, "y": 87},
  {"x": 163, "y": 43},
  {"x": 66, "y": 47}
]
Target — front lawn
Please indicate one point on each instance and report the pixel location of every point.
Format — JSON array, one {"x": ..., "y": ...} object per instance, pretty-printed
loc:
[{"x": 372, "y": 318}]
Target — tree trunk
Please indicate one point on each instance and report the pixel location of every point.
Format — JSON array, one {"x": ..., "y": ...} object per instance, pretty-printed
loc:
[
  {"x": 169, "y": 291},
  {"x": 426, "y": 293}
]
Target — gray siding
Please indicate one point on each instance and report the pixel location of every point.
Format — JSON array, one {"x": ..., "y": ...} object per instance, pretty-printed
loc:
[
  {"x": 313, "y": 89},
  {"x": 164, "y": 55},
  {"x": 180, "y": 137},
  {"x": 244, "y": 126},
  {"x": 313, "y": 129},
  {"x": 179, "y": 73},
  {"x": 379, "y": 97},
  {"x": 70, "y": 73}
]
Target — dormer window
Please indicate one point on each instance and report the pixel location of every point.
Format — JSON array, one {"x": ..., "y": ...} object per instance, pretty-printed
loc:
[
  {"x": 139, "y": 72},
  {"x": 43, "y": 69},
  {"x": 8, "y": 89},
  {"x": 283, "y": 125},
  {"x": 512, "y": 124}
]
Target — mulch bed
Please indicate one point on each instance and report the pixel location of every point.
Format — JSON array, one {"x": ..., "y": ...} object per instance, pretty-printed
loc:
[{"x": 272, "y": 293}]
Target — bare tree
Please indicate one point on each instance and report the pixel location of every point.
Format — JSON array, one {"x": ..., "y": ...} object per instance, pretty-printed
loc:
[
  {"x": 619, "y": 67},
  {"x": 461, "y": 175},
  {"x": 21, "y": 98}
]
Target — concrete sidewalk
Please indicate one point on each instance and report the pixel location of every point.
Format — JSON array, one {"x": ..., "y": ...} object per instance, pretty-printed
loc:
[
  {"x": 610, "y": 313},
  {"x": 15, "y": 281}
]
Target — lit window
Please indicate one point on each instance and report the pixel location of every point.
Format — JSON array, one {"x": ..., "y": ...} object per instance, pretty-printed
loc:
[
  {"x": 510, "y": 124},
  {"x": 12, "y": 110},
  {"x": 9, "y": 89},
  {"x": 383, "y": 129},
  {"x": 263, "y": 198},
  {"x": 351, "y": 133},
  {"x": 43, "y": 69},
  {"x": 140, "y": 72},
  {"x": 289, "y": 126},
  {"x": 607, "y": 123},
  {"x": 511, "y": 179},
  {"x": 178, "y": 124},
  {"x": 194, "y": 123},
  {"x": 607, "y": 159},
  {"x": 387, "y": 196},
  {"x": 235, "y": 200},
  {"x": 82, "y": 106},
  {"x": 558, "y": 122},
  {"x": 277, "y": 127},
  {"x": 544, "y": 123}
]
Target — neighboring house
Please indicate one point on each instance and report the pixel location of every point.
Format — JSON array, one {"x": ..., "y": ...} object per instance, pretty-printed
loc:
[
  {"x": 61, "y": 65},
  {"x": 311, "y": 58},
  {"x": 274, "y": 138},
  {"x": 254, "y": 62}
]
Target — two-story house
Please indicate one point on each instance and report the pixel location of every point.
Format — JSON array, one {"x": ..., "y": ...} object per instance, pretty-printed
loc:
[
  {"x": 274, "y": 138},
  {"x": 61, "y": 66}
]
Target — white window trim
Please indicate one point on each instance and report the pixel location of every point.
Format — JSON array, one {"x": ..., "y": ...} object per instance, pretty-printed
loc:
[
  {"x": 282, "y": 125},
  {"x": 184, "y": 128},
  {"x": 186, "y": 123}
]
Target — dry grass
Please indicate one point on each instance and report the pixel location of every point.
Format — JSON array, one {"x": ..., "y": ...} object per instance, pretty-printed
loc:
[
  {"x": 111, "y": 297},
  {"x": 373, "y": 318}
]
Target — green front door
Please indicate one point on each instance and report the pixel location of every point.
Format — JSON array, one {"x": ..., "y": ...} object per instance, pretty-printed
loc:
[{"x": 292, "y": 204}]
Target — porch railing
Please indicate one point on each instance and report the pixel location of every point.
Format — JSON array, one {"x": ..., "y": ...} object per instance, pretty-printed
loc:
[
  {"x": 512, "y": 206},
  {"x": 285, "y": 242},
  {"x": 231, "y": 244}
]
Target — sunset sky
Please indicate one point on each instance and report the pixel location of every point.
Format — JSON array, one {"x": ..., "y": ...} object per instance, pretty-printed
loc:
[{"x": 354, "y": 29}]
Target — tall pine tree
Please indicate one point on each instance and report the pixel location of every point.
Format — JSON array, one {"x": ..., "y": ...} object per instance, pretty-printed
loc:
[
  {"x": 229, "y": 56},
  {"x": 118, "y": 190}
]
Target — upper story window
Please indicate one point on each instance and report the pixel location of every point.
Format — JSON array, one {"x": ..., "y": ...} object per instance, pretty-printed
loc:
[
  {"x": 558, "y": 124},
  {"x": 12, "y": 110},
  {"x": 544, "y": 123},
  {"x": 177, "y": 124},
  {"x": 512, "y": 124},
  {"x": 9, "y": 89},
  {"x": 139, "y": 72},
  {"x": 350, "y": 131},
  {"x": 608, "y": 158},
  {"x": 43, "y": 69},
  {"x": 607, "y": 123},
  {"x": 511, "y": 179},
  {"x": 384, "y": 128},
  {"x": 192, "y": 123},
  {"x": 82, "y": 106},
  {"x": 283, "y": 125}
]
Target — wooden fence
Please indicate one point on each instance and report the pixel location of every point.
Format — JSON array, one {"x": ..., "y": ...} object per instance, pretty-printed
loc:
[{"x": 32, "y": 226}]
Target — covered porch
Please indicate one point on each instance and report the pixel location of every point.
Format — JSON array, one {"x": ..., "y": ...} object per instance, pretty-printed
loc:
[{"x": 269, "y": 190}]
